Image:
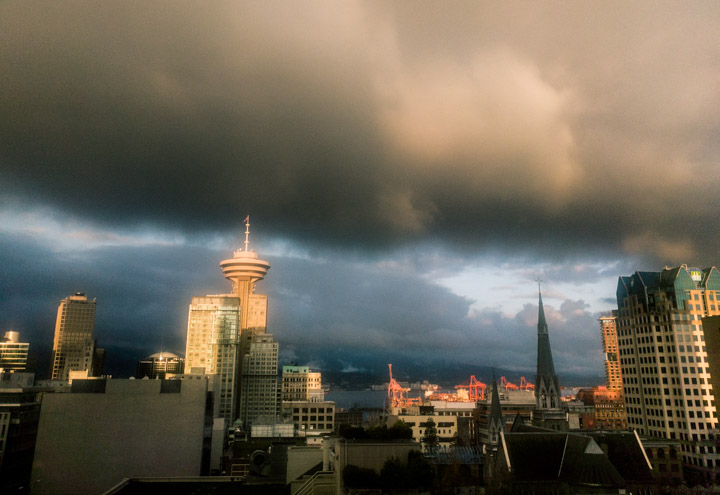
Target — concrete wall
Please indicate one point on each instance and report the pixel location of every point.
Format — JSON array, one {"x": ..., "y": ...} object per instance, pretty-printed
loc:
[
  {"x": 372, "y": 455},
  {"x": 88, "y": 442},
  {"x": 300, "y": 460}
]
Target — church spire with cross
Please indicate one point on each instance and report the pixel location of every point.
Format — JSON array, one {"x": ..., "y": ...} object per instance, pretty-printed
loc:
[{"x": 547, "y": 388}]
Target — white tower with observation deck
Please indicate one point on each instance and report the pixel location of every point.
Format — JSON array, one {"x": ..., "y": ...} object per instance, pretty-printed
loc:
[
  {"x": 244, "y": 269},
  {"x": 224, "y": 334}
]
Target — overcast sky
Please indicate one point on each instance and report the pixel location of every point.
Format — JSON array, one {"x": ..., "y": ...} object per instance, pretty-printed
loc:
[{"x": 410, "y": 168}]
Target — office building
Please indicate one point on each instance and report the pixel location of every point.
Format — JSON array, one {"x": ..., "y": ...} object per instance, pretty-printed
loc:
[
  {"x": 158, "y": 365},
  {"x": 106, "y": 430},
  {"x": 73, "y": 345},
  {"x": 13, "y": 353},
  {"x": 667, "y": 382},
  {"x": 299, "y": 383},
  {"x": 222, "y": 331},
  {"x": 259, "y": 382}
]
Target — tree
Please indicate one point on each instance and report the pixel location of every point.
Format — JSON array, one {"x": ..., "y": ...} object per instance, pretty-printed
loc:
[
  {"x": 394, "y": 474},
  {"x": 400, "y": 430},
  {"x": 430, "y": 437},
  {"x": 357, "y": 477},
  {"x": 420, "y": 472}
]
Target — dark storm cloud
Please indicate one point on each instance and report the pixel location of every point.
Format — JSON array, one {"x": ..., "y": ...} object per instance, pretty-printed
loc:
[{"x": 548, "y": 128}]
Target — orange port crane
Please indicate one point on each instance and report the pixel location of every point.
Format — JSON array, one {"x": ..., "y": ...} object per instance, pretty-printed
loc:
[
  {"x": 507, "y": 384},
  {"x": 526, "y": 385},
  {"x": 396, "y": 393},
  {"x": 476, "y": 389}
]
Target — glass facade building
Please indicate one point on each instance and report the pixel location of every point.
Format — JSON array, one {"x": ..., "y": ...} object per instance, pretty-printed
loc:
[{"x": 667, "y": 383}]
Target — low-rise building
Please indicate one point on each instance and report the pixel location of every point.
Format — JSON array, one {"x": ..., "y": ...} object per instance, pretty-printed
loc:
[
  {"x": 609, "y": 413},
  {"x": 420, "y": 418},
  {"x": 299, "y": 383},
  {"x": 19, "y": 416},
  {"x": 106, "y": 430},
  {"x": 666, "y": 459},
  {"x": 309, "y": 417}
]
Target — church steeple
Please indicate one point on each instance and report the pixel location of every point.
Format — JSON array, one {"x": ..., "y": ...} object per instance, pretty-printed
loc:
[{"x": 547, "y": 389}]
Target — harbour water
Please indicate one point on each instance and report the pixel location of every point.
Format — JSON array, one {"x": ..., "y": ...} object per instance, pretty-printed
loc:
[
  {"x": 361, "y": 398},
  {"x": 347, "y": 399}
]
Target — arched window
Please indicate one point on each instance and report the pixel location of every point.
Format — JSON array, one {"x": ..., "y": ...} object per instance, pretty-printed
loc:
[{"x": 661, "y": 453}]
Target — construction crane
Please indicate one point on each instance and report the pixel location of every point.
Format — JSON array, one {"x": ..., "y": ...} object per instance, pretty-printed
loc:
[
  {"x": 526, "y": 385},
  {"x": 476, "y": 389}
]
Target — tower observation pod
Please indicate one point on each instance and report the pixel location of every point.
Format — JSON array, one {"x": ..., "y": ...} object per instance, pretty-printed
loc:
[{"x": 243, "y": 270}]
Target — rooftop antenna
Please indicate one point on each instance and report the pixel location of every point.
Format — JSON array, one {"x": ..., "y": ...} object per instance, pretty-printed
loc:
[{"x": 247, "y": 232}]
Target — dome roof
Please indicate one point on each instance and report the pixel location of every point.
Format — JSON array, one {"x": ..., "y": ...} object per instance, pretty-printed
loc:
[{"x": 163, "y": 355}]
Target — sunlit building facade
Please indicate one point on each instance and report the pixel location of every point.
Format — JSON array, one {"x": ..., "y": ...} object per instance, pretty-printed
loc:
[
  {"x": 73, "y": 345},
  {"x": 667, "y": 382},
  {"x": 299, "y": 383},
  {"x": 613, "y": 376},
  {"x": 13, "y": 353},
  {"x": 213, "y": 345},
  {"x": 608, "y": 408}
]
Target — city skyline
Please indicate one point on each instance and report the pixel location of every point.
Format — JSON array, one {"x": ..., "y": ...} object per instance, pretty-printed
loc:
[{"x": 410, "y": 170}]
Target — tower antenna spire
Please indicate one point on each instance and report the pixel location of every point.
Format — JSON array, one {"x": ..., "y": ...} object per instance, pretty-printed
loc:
[{"x": 247, "y": 232}]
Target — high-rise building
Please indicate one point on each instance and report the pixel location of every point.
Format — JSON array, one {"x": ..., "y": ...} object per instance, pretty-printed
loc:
[
  {"x": 158, "y": 365},
  {"x": 13, "y": 353},
  {"x": 259, "y": 382},
  {"x": 213, "y": 344},
  {"x": 667, "y": 382},
  {"x": 226, "y": 330},
  {"x": 613, "y": 377},
  {"x": 73, "y": 345}
]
